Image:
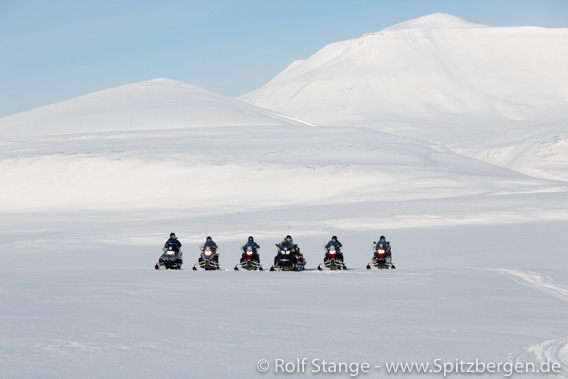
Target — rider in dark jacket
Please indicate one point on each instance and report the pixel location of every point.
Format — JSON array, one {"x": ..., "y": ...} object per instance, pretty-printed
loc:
[
  {"x": 387, "y": 245},
  {"x": 173, "y": 240},
  {"x": 211, "y": 244},
  {"x": 254, "y": 247},
  {"x": 337, "y": 245},
  {"x": 289, "y": 243}
]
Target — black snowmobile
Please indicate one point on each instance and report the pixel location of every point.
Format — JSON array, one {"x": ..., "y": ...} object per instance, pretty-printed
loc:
[
  {"x": 250, "y": 260},
  {"x": 208, "y": 260},
  {"x": 172, "y": 257},
  {"x": 288, "y": 258},
  {"x": 382, "y": 258},
  {"x": 333, "y": 259}
]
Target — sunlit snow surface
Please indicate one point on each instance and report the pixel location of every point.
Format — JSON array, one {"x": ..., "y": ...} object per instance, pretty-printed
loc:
[
  {"x": 499, "y": 94},
  {"x": 91, "y": 188},
  {"x": 480, "y": 254}
]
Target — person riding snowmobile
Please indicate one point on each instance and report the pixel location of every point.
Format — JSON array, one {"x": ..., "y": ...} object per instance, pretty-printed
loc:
[
  {"x": 333, "y": 258},
  {"x": 254, "y": 246},
  {"x": 288, "y": 243},
  {"x": 209, "y": 258},
  {"x": 382, "y": 256},
  {"x": 335, "y": 244},
  {"x": 387, "y": 245},
  {"x": 211, "y": 244},
  {"x": 172, "y": 257},
  {"x": 173, "y": 240}
]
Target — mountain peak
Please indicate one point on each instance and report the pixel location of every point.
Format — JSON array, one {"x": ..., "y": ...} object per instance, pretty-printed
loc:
[
  {"x": 437, "y": 67},
  {"x": 435, "y": 21}
]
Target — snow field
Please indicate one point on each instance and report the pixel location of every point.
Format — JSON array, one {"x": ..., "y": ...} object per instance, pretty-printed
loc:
[{"x": 413, "y": 124}]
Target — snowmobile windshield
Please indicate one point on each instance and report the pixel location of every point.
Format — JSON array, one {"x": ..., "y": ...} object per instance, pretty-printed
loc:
[
  {"x": 383, "y": 247},
  {"x": 172, "y": 247}
]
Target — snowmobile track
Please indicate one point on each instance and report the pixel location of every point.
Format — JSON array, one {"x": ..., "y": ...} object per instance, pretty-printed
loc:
[{"x": 555, "y": 350}]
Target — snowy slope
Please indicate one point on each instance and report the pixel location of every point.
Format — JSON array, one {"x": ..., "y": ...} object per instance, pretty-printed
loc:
[
  {"x": 540, "y": 151},
  {"x": 216, "y": 169},
  {"x": 150, "y": 105},
  {"x": 84, "y": 217},
  {"x": 144, "y": 145},
  {"x": 431, "y": 68},
  {"x": 444, "y": 80}
]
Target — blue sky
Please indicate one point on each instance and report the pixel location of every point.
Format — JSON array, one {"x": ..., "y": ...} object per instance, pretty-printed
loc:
[{"x": 56, "y": 50}]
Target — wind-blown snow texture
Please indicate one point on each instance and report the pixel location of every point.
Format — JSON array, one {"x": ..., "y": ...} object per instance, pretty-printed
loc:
[{"x": 91, "y": 188}]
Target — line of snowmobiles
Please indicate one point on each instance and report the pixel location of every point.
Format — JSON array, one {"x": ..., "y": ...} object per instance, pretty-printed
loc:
[{"x": 288, "y": 258}]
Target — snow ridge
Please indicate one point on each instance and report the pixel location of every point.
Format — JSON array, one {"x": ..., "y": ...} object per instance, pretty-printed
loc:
[
  {"x": 151, "y": 105},
  {"x": 436, "y": 21}
]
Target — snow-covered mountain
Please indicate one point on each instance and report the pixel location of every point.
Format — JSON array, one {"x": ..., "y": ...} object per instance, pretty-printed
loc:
[
  {"x": 91, "y": 188},
  {"x": 73, "y": 154},
  {"x": 438, "y": 67},
  {"x": 150, "y": 105},
  {"x": 442, "y": 79}
]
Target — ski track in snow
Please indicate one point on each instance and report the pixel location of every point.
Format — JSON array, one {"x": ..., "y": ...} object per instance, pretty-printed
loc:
[
  {"x": 537, "y": 281},
  {"x": 554, "y": 350}
]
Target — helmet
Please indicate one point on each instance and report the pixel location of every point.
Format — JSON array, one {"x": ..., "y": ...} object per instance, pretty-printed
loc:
[
  {"x": 382, "y": 238},
  {"x": 172, "y": 236},
  {"x": 251, "y": 239},
  {"x": 208, "y": 239},
  {"x": 289, "y": 238},
  {"x": 334, "y": 239}
]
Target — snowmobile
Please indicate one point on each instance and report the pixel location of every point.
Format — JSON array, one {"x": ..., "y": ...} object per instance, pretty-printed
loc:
[
  {"x": 288, "y": 259},
  {"x": 333, "y": 259},
  {"x": 381, "y": 257},
  {"x": 172, "y": 257},
  {"x": 250, "y": 260},
  {"x": 208, "y": 260}
]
